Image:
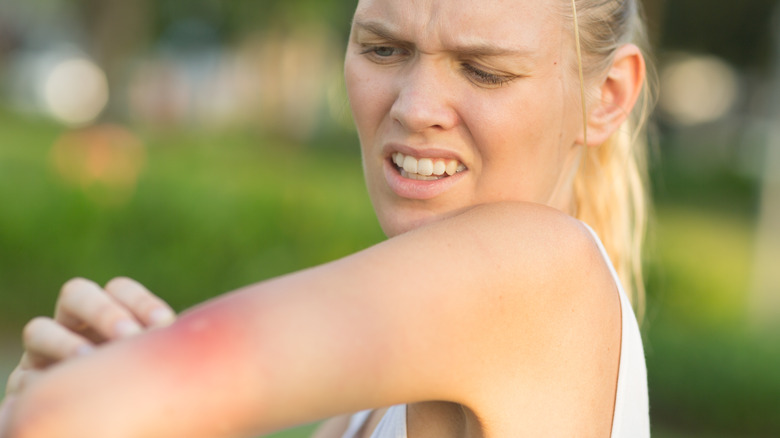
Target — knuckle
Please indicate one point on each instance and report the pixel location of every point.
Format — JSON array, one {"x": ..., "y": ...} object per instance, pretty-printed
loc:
[
  {"x": 107, "y": 313},
  {"x": 33, "y": 328},
  {"x": 132, "y": 294},
  {"x": 119, "y": 282},
  {"x": 73, "y": 287}
]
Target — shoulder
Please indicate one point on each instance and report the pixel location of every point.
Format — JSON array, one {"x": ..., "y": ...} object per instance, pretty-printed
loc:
[
  {"x": 555, "y": 258},
  {"x": 554, "y": 332},
  {"x": 541, "y": 240},
  {"x": 520, "y": 253},
  {"x": 549, "y": 261},
  {"x": 515, "y": 267}
]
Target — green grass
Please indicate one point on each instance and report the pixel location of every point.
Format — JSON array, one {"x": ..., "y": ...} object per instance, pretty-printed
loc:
[
  {"x": 208, "y": 214},
  {"x": 712, "y": 373},
  {"x": 704, "y": 264},
  {"x": 298, "y": 432}
]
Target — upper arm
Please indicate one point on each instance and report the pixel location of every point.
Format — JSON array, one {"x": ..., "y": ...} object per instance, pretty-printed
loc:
[{"x": 479, "y": 295}]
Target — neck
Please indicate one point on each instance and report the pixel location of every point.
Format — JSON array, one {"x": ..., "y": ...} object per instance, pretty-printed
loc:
[{"x": 562, "y": 196}]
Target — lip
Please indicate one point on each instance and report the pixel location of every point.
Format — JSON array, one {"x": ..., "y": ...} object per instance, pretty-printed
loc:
[
  {"x": 414, "y": 189},
  {"x": 420, "y": 152}
]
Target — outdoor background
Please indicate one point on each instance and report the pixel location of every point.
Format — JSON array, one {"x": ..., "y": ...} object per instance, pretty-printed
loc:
[{"x": 201, "y": 145}]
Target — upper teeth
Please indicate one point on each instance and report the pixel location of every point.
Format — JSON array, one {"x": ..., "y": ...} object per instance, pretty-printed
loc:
[{"x": 427, "y": 166}]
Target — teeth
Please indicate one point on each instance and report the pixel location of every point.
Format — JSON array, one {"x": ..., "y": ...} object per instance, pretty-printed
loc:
[
  {"x": 410, "y": 164},
  {"x": 452, "y": 167},
  {"x": 439, "y": 167},
  {"x": 419, "y": 177},
  {"x": 426, "y": 169}
]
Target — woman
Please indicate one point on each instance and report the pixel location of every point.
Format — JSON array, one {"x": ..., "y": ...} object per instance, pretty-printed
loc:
[{"x": 489, "y": 312}]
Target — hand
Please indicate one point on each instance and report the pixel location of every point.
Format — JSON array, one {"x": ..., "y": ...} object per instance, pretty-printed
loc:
[{"x": 86, "y": 315}]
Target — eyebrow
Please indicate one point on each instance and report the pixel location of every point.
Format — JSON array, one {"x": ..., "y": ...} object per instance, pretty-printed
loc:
[{"x": 477, "y": 48}]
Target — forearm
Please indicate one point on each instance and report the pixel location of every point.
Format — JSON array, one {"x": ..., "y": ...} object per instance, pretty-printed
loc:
[
  {"x": 231, "y": 367},
  {"x": 158, "y": 384}
]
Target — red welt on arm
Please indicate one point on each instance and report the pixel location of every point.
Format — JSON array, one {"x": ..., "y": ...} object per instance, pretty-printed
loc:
[
  {"x": 169, "y": 382},
  {"x": 308, "y": 345}
]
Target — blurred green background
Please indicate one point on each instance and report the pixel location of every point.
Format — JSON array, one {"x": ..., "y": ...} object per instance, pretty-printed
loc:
[{"x": 200, "y": 146}]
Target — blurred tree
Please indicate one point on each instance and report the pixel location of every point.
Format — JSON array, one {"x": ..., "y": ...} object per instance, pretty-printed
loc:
[
  {"x": 765, "y": 299},
  {"x": 735, "y": 31},
  {"x": 654, "y": 12},
  {"x": 116, "y": 29},
  {"x": 246, "y": 15}
]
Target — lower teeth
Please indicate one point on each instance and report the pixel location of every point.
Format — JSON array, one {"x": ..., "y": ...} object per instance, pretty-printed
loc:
[{"x": 418, "y": 177}]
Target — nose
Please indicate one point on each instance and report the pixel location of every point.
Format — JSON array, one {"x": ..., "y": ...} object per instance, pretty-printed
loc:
[{"x": 424, "y": 100}]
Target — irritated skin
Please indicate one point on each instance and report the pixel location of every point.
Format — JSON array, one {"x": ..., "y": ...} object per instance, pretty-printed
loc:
[
  {"x": 475, "y": 283},
  {"x": 108, "y": 392},
  {"x": 306, "y": 346}
]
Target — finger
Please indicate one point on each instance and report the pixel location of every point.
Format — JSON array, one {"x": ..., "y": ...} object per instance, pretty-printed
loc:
[
  {"x": 47, "y": 342},
  {"x": 86, "y": 305},
  {"x": 14, "y": 384},
  {"x": 145, "y": 306},
  {"x": 20, "y": 378},
  {"x": 5, "y": 413}
]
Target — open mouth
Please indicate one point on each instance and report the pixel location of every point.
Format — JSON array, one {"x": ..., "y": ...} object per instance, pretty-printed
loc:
[{"x": 426, "y": 169}]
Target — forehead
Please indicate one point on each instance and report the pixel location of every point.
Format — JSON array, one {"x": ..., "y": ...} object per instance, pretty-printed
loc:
[{"x": 523, "y": 24}]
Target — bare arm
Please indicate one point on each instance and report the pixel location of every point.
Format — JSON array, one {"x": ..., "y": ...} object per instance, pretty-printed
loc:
[
  {"x": 85, "y": 316},
  {"x": 478, "y": 295}
]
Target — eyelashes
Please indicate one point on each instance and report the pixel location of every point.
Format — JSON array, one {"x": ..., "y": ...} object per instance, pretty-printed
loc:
[
  {"x": 383, "y": 55},
  {"x": 485, "y": 77}
]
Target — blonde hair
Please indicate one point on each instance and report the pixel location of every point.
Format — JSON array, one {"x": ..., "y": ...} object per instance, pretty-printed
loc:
[{"x": 610, "y": 191}]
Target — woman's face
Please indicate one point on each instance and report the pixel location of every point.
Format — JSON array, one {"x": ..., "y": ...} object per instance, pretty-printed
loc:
[{"x": 459, "y": 103}]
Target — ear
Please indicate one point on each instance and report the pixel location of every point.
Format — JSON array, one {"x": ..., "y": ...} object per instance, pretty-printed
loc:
[{"x": 616, "y": 95}]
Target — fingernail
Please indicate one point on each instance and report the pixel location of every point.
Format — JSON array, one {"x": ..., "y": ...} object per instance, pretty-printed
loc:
[
  {"x": 161, "y": 317},
  {"x": 127, "y": 328}
]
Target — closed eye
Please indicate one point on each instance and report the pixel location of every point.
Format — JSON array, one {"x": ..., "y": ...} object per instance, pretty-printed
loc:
[{"x": 483, "y": 77}]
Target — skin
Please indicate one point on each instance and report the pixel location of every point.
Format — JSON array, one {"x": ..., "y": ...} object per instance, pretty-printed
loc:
[
  {"x": 490, "y": 311},
  {"x": 517, "y": 138},
  {"x": 86, "y": 316}
]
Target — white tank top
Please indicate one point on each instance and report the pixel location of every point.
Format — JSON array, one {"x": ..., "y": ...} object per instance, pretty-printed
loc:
[{"x": 631, "y": 417}]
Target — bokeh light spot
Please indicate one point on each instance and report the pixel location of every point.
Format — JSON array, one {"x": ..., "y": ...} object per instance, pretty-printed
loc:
[
  {"x": 697, "y": 89},
  {"x": 76, "y": 91},
  {"x": 105, "y": 161}
]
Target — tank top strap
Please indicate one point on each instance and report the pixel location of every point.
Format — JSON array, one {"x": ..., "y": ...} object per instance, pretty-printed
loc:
[
  {"x": 631, "y": 418},
  {"x": 356, "y": 421},
  {"x": 392, "y": 424}
]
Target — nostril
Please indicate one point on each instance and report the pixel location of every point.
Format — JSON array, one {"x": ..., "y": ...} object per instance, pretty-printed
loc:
[{"x": 424, "y": 108}]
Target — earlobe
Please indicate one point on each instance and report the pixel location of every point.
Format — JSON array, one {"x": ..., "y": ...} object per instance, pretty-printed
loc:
[{"x": 617, "y": 94}]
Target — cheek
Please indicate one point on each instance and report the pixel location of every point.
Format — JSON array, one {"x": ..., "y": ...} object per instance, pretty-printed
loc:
[
  {"x": 359, "y": 87},
  {"x": 521, "y": 143},
  {"x": 371, "y": 97},
  {"x": 370, "y": 103}
]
